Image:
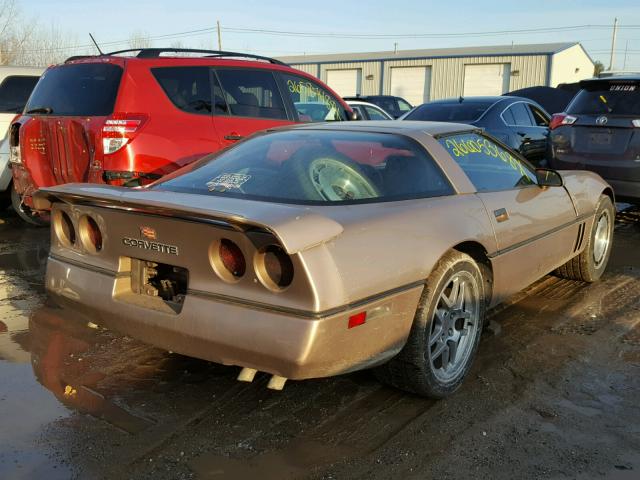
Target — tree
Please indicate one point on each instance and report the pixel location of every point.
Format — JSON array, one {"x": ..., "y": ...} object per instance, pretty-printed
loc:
[
  {"x": 24, "y": 41},
  {"x": 139, "y": 39},
  {"x": 598, "y": 67}
]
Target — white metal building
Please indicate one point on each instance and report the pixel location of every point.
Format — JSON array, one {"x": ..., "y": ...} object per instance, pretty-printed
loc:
[{"x": 423, "y": 75}]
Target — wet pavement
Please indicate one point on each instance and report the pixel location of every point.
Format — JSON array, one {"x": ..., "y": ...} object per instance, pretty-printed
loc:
[{"x": 554, "y": 393}]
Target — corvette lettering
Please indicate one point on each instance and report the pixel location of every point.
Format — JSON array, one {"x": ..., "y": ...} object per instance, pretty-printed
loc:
[{"x": 151, "y": 246}]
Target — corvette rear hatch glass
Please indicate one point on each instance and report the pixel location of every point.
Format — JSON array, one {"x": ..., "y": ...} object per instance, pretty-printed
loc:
[{"x": 316, "y": 167}]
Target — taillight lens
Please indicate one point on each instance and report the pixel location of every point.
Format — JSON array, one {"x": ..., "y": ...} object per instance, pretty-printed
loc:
[
  {"x": 90, "y": 234},
  {"x": 227, "y": 260},
  {"x": 64, "y": 228},
  {"x": 118, "y": 130},
  {"x": 232, "y": 258},
  {"x": 559, "y": 119},
  {"x": 14, "y": 154},
  {"x": 636, "y": 123},
  {"x": 274, "y": 267}
]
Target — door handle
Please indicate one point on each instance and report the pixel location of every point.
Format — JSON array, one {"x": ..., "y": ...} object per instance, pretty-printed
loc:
[
  {"x": 234, "y": 137},
  {"x": 501, "y": 215}
]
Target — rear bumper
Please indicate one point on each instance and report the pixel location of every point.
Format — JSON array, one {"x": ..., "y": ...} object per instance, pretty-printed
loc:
[{"x": 232, "y": 333}]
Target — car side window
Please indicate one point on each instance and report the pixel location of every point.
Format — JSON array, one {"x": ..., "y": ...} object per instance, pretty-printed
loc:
[
  {"x": 312, "y": 102},
  {"x": 538, "y": 116},
  {"x": 489, "y": 166},
  {"x": 374, "y": 113},
  {"x": 403, "y": 106},
  {"x": 15, "y": 91},
  {"x": 521, "y": 115},
  {"x": 251, "y": 93},
  {"x": 188, "y": 88}
]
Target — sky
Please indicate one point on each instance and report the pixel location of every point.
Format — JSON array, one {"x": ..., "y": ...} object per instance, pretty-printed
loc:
[{"x": 115, "y": 21}]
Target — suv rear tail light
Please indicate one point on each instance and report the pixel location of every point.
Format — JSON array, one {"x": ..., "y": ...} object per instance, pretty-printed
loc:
[
  {"x": 118, "y": 130},
  {"x": 15, "y": 155},
  {"x": 274, "y": 268},
  {"x": 559, "y": 119}
]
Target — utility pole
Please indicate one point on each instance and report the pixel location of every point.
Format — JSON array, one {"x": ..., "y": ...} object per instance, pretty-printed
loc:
[
  {"x": 613, "y": 43},
  {"x": 626, "y": 47},
  {"x": 219, "y": 37}
]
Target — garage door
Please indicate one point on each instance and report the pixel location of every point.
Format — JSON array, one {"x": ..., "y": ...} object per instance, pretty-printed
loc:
[
  {"x": 411, "y": 83},
  {"x": 345, "y": 82},
  {"x": 490, "y": 79}
]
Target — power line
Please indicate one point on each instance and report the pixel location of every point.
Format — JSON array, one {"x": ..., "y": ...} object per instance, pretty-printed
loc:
[
  {"x": 371, "y": 36},
  {"x": 365, "y": 36}
]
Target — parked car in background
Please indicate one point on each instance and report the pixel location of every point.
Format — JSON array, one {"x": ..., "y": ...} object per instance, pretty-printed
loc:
[
  {"x": 251, "y": 240},
  {"x": 394, "y": 106},
  {"x": 129, "y": 117},
  {"x": 368, "y": 111},
  {"x": 16, "y": 84},
  {"x": 519, "y": 123},
  {"x": 600, "y": 131}
]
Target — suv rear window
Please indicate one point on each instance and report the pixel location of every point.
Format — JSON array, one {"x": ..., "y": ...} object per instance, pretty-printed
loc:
[
  {"x": 449, "y": 112},
  {"x": 605, "y": 97},
  {"x": 86, "y": 89},
  {"x": 15, "y": 91},
  {"x": 316, "y": 167}
]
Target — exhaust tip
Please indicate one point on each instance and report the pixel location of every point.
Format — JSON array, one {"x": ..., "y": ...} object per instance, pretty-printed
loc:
[
  {"x": 247, "y": 374},
  {"x": 276, "y": 383}
]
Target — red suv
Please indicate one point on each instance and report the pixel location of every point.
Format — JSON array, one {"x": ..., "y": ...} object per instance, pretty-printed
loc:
[{"x": 127, "y": 120}]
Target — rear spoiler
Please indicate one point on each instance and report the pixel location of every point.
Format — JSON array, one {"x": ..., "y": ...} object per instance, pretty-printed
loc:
[{"x": 297, "y": 227}]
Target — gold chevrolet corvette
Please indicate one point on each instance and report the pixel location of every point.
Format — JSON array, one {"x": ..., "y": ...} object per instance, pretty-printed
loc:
[{"x": 315, "y": 250}]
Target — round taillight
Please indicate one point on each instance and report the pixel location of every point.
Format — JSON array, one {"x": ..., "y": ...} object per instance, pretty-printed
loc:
[
  {"x": 227, "y": 260},
  {"x": 90, "y": 234},
  {"x": 274, "y": 268},
  {"x": 63, "y": 227}
]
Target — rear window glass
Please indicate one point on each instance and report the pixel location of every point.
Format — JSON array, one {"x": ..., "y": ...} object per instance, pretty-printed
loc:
[
  {"x": 88, "y": 89},
  {"x": 607, "y": 98},
  {"x": 15, "y": 91},
  {"x": 316, "y": 167},
  {"x": 449, "y": 112},
  {"x": 188, "y": 88}
]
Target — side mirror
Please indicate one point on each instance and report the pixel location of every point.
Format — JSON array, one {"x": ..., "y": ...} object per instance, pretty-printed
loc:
[
  {"x": 548, "y": 178},
  {"x": 355, "y": 115}
]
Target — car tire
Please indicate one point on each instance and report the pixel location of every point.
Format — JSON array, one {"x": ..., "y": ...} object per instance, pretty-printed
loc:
[
  {"x": 24, "y": 212},
  {"x": 592, "y": 262},
  {"x": 441, "y": 320}
]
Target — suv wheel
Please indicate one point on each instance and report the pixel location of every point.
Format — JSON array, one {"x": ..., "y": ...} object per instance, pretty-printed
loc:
[{"x": 24, "y": 212}]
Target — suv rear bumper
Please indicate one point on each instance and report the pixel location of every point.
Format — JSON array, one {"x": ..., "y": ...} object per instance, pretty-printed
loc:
[
  {"x": 625, "y": 190},
  {"x": 233, "y": 333}
]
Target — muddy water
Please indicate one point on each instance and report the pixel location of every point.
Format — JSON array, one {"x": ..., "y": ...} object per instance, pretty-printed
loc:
[{"x": 555, "y": 393}]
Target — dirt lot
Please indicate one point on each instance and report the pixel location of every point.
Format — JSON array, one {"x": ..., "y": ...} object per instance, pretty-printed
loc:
[{"x": 555, "y": 393}]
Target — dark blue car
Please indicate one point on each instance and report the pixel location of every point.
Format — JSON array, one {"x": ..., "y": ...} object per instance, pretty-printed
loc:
[{"x": 520, "y": 123}]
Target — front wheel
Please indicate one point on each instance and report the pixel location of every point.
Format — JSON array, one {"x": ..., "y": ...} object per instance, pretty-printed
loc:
[
  {"x": 445, "y": 333},
  {"x": 592, "y": 262}
]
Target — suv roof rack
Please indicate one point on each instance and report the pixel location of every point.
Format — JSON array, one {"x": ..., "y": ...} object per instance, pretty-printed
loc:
[{"x": 156, "y": 52}]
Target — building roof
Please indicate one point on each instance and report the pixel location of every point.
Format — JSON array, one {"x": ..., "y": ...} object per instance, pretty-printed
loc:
[{"x": 497, "y": 50}]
